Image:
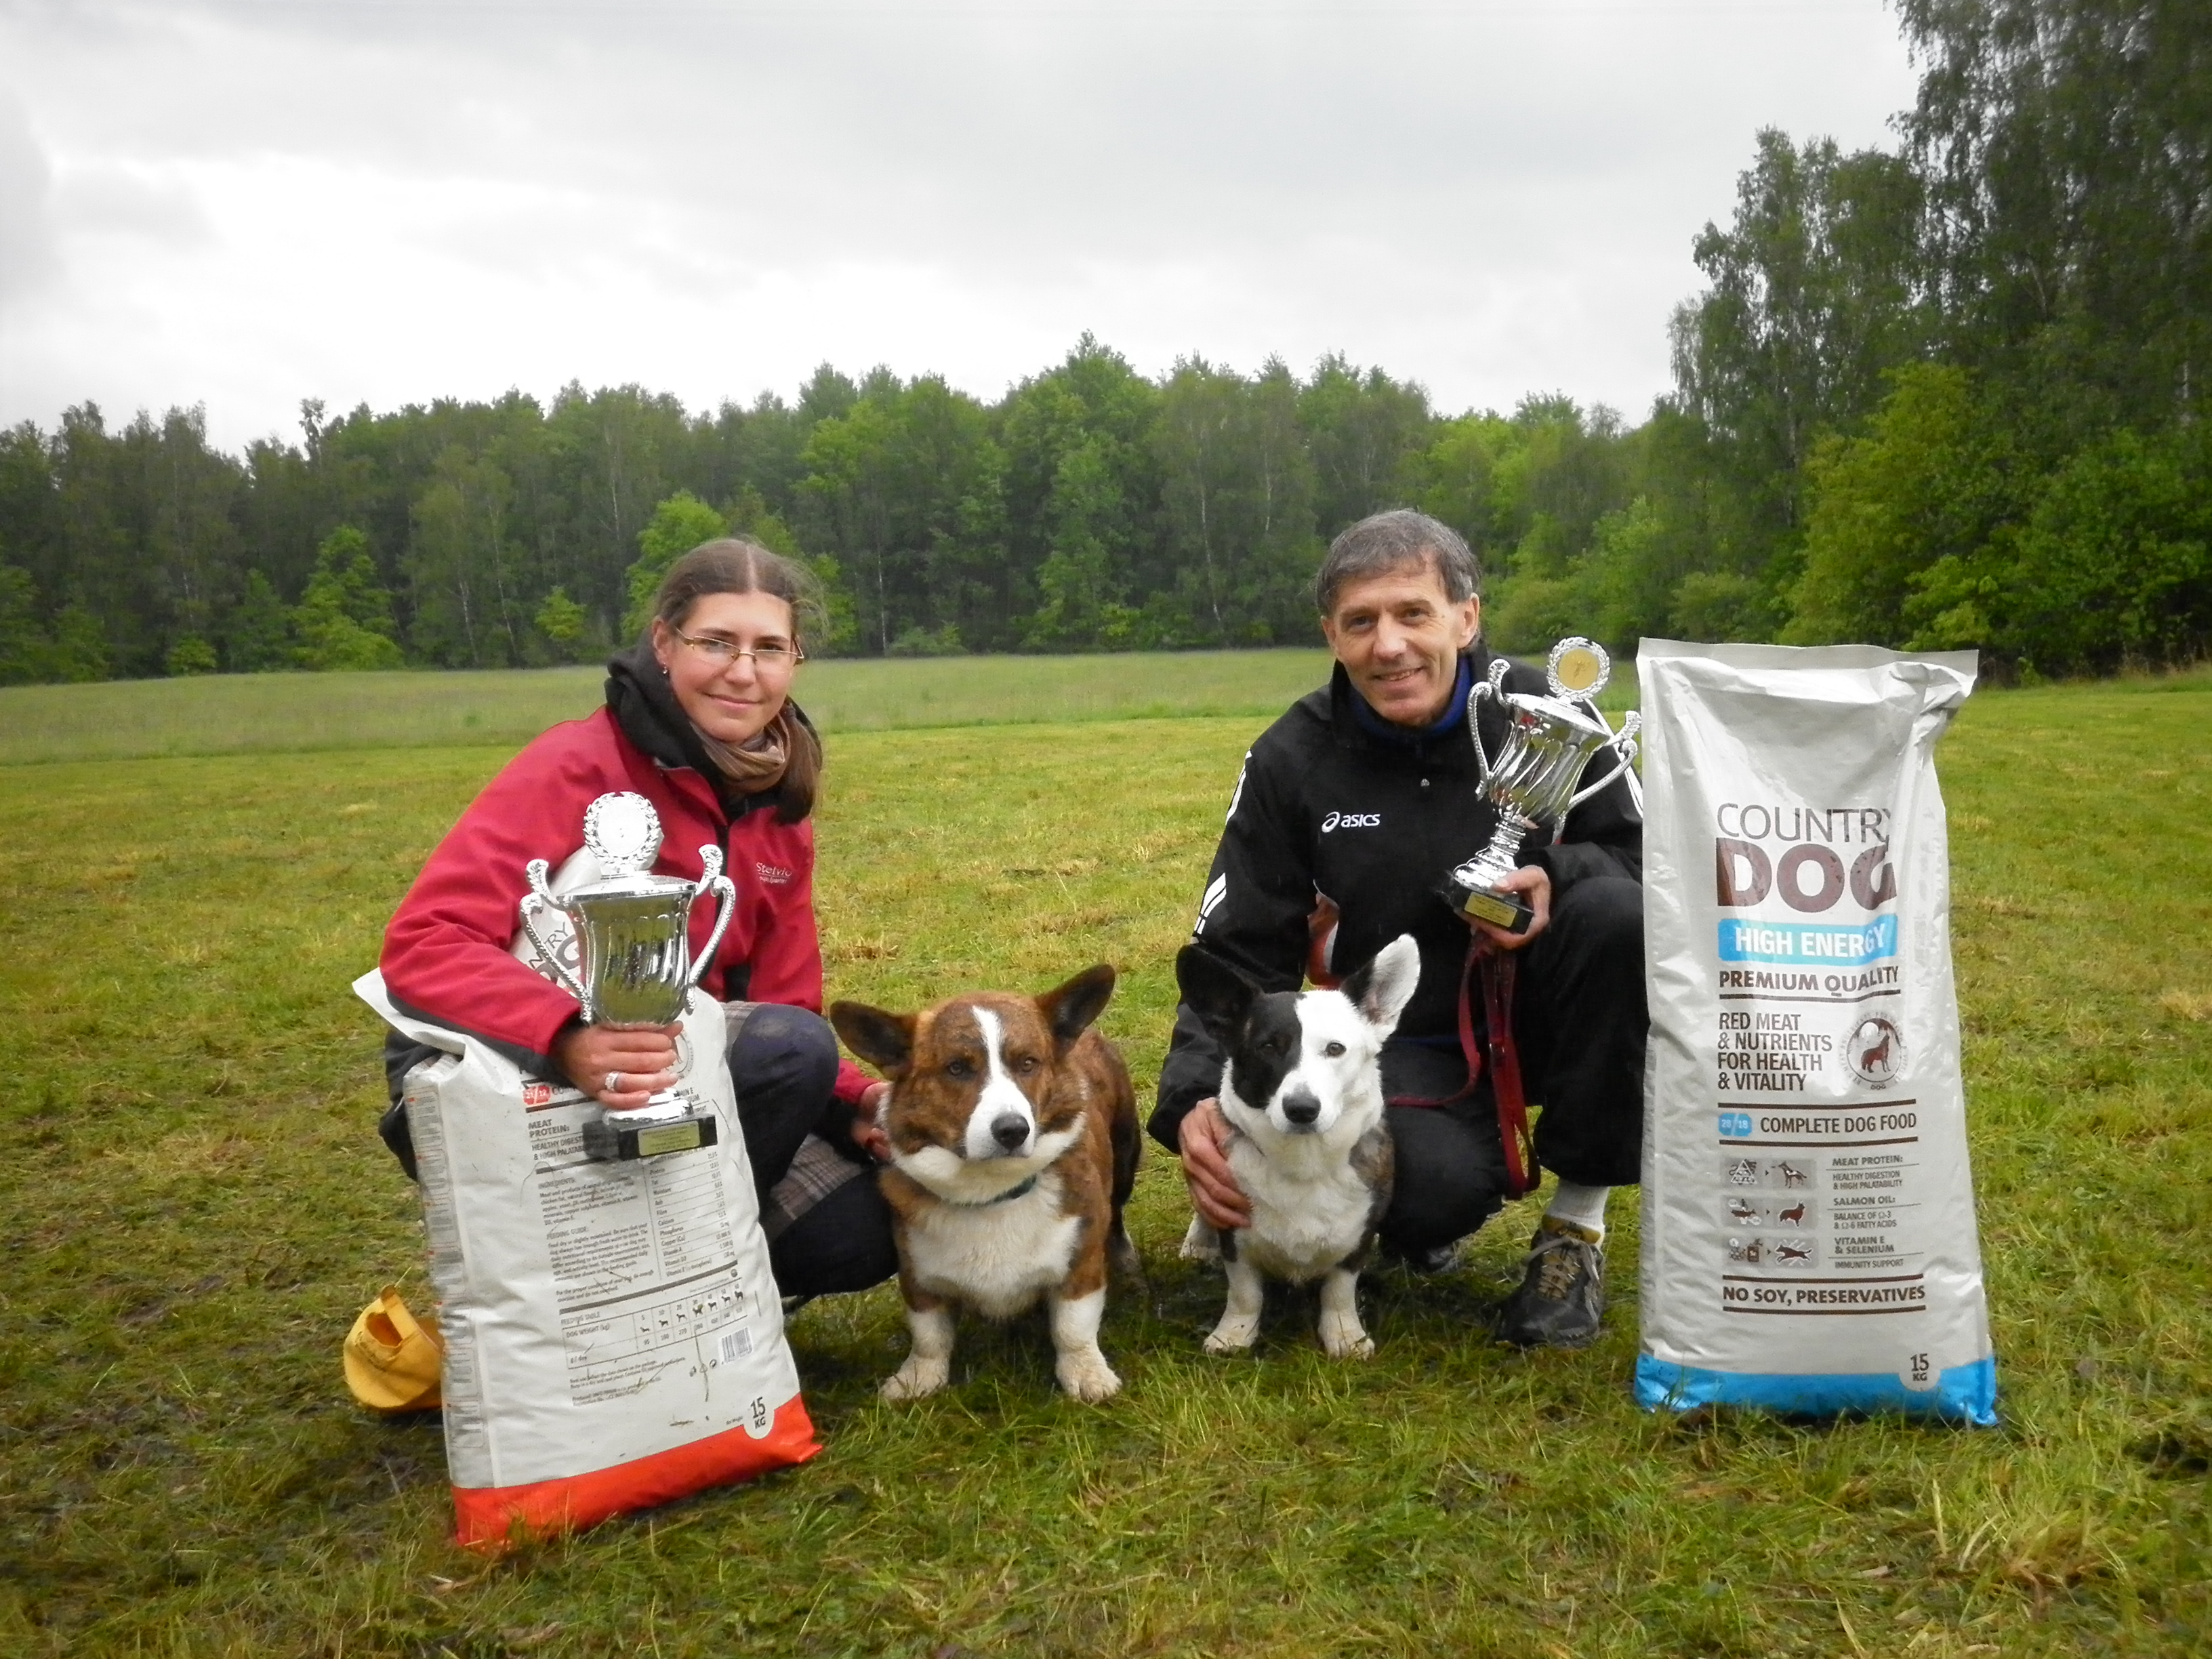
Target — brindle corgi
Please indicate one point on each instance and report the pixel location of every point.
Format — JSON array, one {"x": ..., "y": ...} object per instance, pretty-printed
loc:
[{"x": 1013, "y": 1135}]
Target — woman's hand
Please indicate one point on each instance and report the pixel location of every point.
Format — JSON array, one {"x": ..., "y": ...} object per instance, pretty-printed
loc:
[
  {"x": 1204, "y": 1138},
  {"x": 868, "y": 1133},
  {"x": 640, "y": 1059}
]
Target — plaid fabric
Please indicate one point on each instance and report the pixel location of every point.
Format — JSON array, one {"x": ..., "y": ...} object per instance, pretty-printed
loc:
[{"x": 819, "y": 1170}]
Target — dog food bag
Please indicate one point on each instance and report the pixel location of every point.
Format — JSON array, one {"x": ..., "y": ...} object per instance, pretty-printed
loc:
[
  {"x": 613, "y": 1335},
  {"x": 1809, "y": 1215}
]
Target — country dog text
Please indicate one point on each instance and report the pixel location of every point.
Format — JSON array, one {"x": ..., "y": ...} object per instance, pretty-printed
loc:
[{"x": 1844, "y": 825}]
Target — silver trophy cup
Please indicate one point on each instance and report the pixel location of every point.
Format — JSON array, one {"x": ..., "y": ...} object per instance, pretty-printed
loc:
[
  {"x": 632, "y": 935},
  {"x": 1548, "y": 742}
]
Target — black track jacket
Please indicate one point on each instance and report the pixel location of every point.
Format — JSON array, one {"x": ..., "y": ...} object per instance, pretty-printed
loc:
[{"x": 1328, "y": 804}]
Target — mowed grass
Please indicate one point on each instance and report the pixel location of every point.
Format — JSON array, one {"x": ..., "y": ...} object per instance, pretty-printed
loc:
[
  {"x": 233, "y": 713},
  {"x": 194, "y": 1207}
]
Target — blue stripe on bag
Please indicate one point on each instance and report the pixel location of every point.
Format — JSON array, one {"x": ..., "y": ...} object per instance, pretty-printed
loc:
[{"x": 1966, "y": 1393}]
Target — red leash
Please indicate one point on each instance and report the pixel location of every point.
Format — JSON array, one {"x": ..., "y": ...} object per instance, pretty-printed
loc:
[{"x": 1499, "y": 970}]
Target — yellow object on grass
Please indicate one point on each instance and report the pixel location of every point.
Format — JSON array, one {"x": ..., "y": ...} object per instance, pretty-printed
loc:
[{"x": 392, "y": 1360}]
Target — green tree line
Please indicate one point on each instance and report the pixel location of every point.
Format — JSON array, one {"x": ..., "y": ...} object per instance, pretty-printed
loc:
[
  {"x": 1954, "y": 394},
  {"x": 1091, "y": 508},
  {"x": 1944, "y": 394}
]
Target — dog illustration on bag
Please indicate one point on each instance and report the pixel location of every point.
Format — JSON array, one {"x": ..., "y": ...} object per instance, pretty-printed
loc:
[{"x": 1875, "y": 1049}]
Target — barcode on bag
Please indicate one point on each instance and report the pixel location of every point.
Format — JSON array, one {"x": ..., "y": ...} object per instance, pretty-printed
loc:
[{"x": 736, "y": 1345}]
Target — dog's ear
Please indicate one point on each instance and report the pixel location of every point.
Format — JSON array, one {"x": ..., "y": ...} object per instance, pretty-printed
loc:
[
  {"x": 884, "y": 1040},
  {"x": 1382, "y": 989},
  {"x": 1218, "y": 994},
  {"x": 1069, "y": 1009}
]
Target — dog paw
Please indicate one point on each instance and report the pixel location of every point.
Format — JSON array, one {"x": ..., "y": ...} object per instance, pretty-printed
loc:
[
  {"x": 1200, "y": 1243},
  {"x": 1348, "y": 1344},
  {"x": 1087, "y": 1377},
  {"x": 1227, "y": 1338},
  {"x": 915, "y": 1379}
]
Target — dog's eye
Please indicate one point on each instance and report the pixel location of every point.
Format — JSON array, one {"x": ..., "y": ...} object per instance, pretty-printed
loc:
[
  {"x": 1333, "y": 1049},
  {"x": 1026, "y": 1065},
  {"x": 960, "y": 1068}
]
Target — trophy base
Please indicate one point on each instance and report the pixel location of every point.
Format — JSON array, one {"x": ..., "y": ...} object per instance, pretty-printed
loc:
[
  {"x": 617, "y": 1137},
  {"x": 1501, "y": 910}
]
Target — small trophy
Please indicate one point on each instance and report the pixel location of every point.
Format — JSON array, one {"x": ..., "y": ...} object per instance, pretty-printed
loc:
[
  {"x": 633, "y": 936},
  {"x": 1548, "y": 741}
]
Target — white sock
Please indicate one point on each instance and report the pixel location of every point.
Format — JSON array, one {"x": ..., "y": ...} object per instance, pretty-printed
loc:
[{"x": 1584, "y": 1206}]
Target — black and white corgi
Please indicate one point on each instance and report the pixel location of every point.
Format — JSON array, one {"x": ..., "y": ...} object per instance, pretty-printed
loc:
[
  {"x": 1303, "y": 1095},
  {"x": 1014, "y": 1140}
]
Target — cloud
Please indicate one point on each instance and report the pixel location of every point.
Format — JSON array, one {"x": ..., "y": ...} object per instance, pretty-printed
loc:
[
  {"x": 136, "y": 202},
  {"x": 253, "y": 202},
  {"x": 28, "y": 257}
]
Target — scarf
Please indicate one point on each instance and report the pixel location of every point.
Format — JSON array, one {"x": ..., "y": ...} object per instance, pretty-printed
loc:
[{"x": 757, "y": 765}]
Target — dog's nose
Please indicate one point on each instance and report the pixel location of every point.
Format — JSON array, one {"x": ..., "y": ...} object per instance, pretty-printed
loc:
[
  {"x": 1010, "y": 1130},
  {"x": 1301, "y": 1108}
]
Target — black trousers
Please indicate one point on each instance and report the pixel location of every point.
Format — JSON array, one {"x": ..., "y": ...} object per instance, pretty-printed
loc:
[
  {"x": 1579, "y": 1023},
  {"x": 783, "y": 1063}
]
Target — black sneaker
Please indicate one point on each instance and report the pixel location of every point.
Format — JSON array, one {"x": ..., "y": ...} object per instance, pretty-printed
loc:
[{"x": 1561, "y": 1298}]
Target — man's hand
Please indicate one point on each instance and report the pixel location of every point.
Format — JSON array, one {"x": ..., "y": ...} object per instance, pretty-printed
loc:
[
  {"x": 1204, "y": 1137},
  {"x": 1534, "y": 883},
  {"x": 868, "y": 1132},
  {"x": 642, "y": 1059}
]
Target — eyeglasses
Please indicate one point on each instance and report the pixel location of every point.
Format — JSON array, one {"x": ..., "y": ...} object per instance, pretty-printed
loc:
[{"x": 771, "y": 658}]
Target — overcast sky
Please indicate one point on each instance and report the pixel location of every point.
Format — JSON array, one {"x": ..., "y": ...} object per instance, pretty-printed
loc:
[{"x": 245, "y": 203}]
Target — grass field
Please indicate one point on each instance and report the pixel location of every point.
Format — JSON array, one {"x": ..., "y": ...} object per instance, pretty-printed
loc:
[
  {"x": 195, "y": 1206},
  {"x": 235, "y": 713}
]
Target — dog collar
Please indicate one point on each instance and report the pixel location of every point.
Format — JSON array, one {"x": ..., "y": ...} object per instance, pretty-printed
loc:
[{"x": 1007, "y": 1196}]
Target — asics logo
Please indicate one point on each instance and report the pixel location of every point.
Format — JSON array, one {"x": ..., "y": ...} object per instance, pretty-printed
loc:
[{"x": 1351, "y": 821}]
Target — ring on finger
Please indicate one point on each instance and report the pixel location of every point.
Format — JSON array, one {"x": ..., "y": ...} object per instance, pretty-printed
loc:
[{"x": 614, "y": 1082}]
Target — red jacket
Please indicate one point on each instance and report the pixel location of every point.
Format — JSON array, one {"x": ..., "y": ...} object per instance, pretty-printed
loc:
[{"x": 445, "y": 952}]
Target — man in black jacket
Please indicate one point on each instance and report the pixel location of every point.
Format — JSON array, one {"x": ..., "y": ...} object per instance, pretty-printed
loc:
[{"x": 1357, "y": 804}]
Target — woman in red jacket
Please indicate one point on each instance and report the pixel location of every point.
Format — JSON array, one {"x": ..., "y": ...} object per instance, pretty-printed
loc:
[{"x": 699, "y": 721}]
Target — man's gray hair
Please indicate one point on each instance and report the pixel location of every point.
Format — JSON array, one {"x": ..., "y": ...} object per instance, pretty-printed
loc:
[{"x": 1388, "y": 542}]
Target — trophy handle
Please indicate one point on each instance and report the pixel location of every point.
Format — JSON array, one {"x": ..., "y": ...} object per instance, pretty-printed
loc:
[
  {"x": 712, "y": 880},
  {"x": 1494, "y": 688},
  {"x": 557, "y": 970},
  {"x": 1623, "y": 744}
]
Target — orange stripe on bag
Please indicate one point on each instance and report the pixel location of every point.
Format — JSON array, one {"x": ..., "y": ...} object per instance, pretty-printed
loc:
[{"x": 487, "y": 1517}]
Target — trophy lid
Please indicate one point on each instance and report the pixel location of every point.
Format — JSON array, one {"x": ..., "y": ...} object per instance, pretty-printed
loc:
[
  {"x": 1567, "y": 712},
  {"x": 1578, "y": 668},
  {"x": 623, "y": 832}
]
